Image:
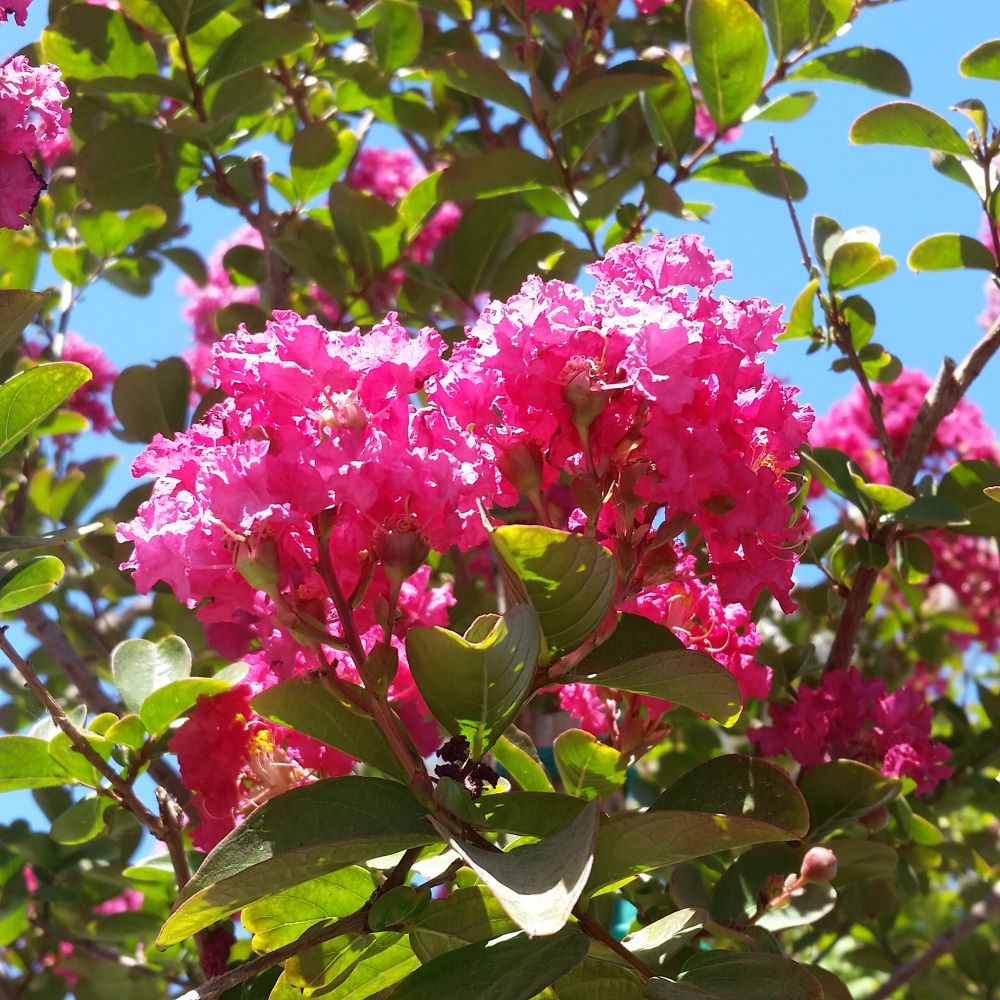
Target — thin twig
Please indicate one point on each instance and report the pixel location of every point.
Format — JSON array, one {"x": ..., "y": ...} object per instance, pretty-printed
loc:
[
  {"x": 277, "y": 297},
  {"x": 941, "y": 946},
  {"x": 120, "y": 789},
  {"x": 594, "y": 929}
]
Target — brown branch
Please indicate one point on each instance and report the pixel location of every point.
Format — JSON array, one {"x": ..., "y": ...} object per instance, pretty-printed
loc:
[
  {"x": 277, "y": 297},
  {"x": 975, "y": 918},
  {"x": 119, "y": 789},
  {"x": 595, "y": 930}
]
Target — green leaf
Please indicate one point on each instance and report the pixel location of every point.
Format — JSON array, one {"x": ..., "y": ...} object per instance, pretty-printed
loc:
[
  {"x": 646, "y": 658},
  {"x": 786, "y": 108},
  {"x": 597, "y": 977},
  {"x": 538, "y": 885},
  {"x": 128, "y": 731},
  {"x": 570, "y": 580},
  {"x": 348, "y": 968},
  {"x": 467, "y": 915},
  {"x": 973, "y": 485},
  {"x": 319, "y": 155},
  {"x": 826, "y": 18},
  {"x": 728, "y": 802},
  {"x": 259, "y": 42},
  {"x": 29, "y": 582},
  {"x": 477, "y": 244},
  {"x": 308, "y": 706},
  {"x": 297, "y": 836},
  {"x": 473, "y": 73},
  {"x": 18, "y": 307},
  {"x": 946, "y": 251},
  {"x": 531, "y": 814},
  {"x": 517, "y": 755},
  {"x": 669, "y": 111},
  {"x": 841, "y": 791},
  {"x": 30, "y": 396},
  {"x": 501, "y": 171},
  {"x": 862, "y": 860},
  {"x": 139, "y": 667},
  {"x": 887, "y": 498},
  {"x": 729, "y": 52},
  {"x": 83, "y": 821},
  {"x": 787, "y": 24},
  {"x": 719, "y": 975},
  {"x": 397, "y": 34},
  {"x": 620, "y": 84},
  {"x": 871, "y": 68},
  {"x": 370, "y": 229},
  {"x": 983, "y": 61},
  {"x": 855, "y": 262},
  {"x": 752, "y": 170},
  {"x": 587, "y": 767},
  {"x": 25, "y": 762},
  {"x": 932, "y": 511},
  {"x": 187, "y": 16},
  {"x": 128, "y": 165},
  {"x": 513, "y": 967},
  {"x": 152, "y": 399},
  {"x": 89, "y": 42},
  {"x": 475, "y": 684},
  {"x": 904, "y": 124},
  {"x": 285, "y": 916},
  {"x": 802, "y": 315},
  {"x": 664, "y": 937},
  {"x": 176, "y": 698}
]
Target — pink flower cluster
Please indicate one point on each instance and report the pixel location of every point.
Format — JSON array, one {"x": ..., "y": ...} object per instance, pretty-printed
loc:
[
  {"x": 17, "y": 8},
  {"x": 849, "y": 716},
  {"x": 31, "y": 112},
  {"x": 655, "y": 400},
  {"x": 991, "y": 289},
  {"x": 339, "y": 460},
  {"x": 848, "y": 427}
]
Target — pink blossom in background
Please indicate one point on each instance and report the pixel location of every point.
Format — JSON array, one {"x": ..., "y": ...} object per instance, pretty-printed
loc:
[
  {"x": 126, "y": 901},
  {"x": 31, "y": 111},
  {"x": 50, "y": 151},
  {"x": 18, "y": 9},
  {"x": 705, "y": 125},
  {"x": 849, "y": 716},
  {"x": 991, "y": 313}
]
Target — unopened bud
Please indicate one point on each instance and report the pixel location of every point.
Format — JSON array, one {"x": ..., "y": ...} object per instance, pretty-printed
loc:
[
  {"x": 819, "y": 865},
  {"x": 877, "y": 819},
  {"x": 257, "y": 562},
  {"x": 379, "y": 669},
  {"x": 402, "y": 550},
  {"x": 521, "y": 465},
  {"x": 586, "y": 401}
]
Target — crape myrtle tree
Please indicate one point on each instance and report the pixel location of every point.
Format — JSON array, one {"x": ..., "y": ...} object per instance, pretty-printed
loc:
[{"x": 487, "y": 622}]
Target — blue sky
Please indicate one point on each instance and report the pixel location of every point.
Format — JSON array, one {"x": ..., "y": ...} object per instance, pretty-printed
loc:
[{"x": 890, "y": 188}]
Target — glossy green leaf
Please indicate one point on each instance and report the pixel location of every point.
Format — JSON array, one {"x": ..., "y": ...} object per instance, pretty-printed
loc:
[
  {"x": 475, "y": 74},
  {"x": 802, "y": 315},
  {"x": 669, "y": 111},
  {"x": 257, "y": 43},
  {"x": 886, "y": 498},
  {"x": 29, "y": 582},
  {"x": 152, "y": 399},
  {"x": 947, "y": 251},
  {"x": 858, "y": 263},
  {"x": 983, "y": 61},
  {"x": 826, "y": 18},
  {"x": 25, "y": 762},
  {"x": 90, "y": 42},
  {"x": 347, "y": 968},
  {"x": 719, "y": 975},
  {"x": 30, "y": 396},
  {"x": 752, "y": 170},
  {"x": 397, "y": 34},
  {"x": 867, "y": 67},
  {"x": 587, "y": 767},
  {"x": 319, "y": 156},
  {"x": 618, "y": 85},
  {"x": 128, "y": 731},
  {"x": 304, "y": 833},
  {"x": 176, "y": 698},
  {"x": 306, "y": 705},
  {"x": 128, "y": 165},
  {"x": 905, "y": 124},
  {"x": 187, "y": 16},
  {"x": 369, "y": 228},
  {"x": 932, "y": 511},
  {"x": 787, "y": 24},
  {"x": 517, "y": 755},
  {"x": 728, "y": 802},
  {"x": 513, "y": 967},
  {"x": 465, "y": 916},
  {"x": 83, "y": 821},
  {"x": 570, "y": 580},
  {"x": 140, "y": 667},
  {"x": 646, "y": 658},
  {"x": 538, "y": 885},
  {"x": 665, "y": 937},
  {"x": 285, "y": 916},
  {"x": 841, "y": 791},
  {"x": 475, "y": 684},
  {"x": 18, "y": 307},
  {"x": 729, "y": 52},
  {"x": 532, "y": 814},
  {"x": 786, "y": 108}
]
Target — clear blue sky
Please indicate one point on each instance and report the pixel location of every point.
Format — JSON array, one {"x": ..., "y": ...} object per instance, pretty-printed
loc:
[{"x": 893, "y": 189}]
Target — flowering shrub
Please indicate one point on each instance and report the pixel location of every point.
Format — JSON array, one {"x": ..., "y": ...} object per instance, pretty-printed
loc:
[{"x": 489, "y": 619}]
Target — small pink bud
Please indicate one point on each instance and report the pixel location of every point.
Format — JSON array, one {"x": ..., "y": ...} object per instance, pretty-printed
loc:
[
  {"x": 877, "y": 819},
  {"x": 522, "y": 466},
  {"x": 819, "y": 865}
]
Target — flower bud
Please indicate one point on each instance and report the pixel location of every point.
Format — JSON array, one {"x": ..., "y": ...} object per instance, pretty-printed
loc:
[
  {"x": 379, "y": 669},
  {"x": 819, "y": 865},
  {"x": 401, "y": 550},
  {"x": 586, "y": 401},
  {"x": 522, "y": 466},
  {"x": 257, "y": 562},
  {"x": 877, "y": 819}
]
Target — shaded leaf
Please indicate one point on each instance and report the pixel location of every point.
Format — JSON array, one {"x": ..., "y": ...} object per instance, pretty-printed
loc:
[
  {"x": 587, "y": 767},
  {"x": 257, "y": 43},
  {"x": 983, "y": 61},
  {"x": 842, "y": 791},
  {"x": 18, "y": 307},
  {"x": 152, "y": 399},
  {"x": 626, "y": 80},
  {"x": 904, "y": 124},
  {"x": 752, "y": 170},
  {"x": 867, "y": 67}
]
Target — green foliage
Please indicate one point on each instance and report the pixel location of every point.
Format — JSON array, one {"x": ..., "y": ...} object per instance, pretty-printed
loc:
[{"x": 30, "y": 396}]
